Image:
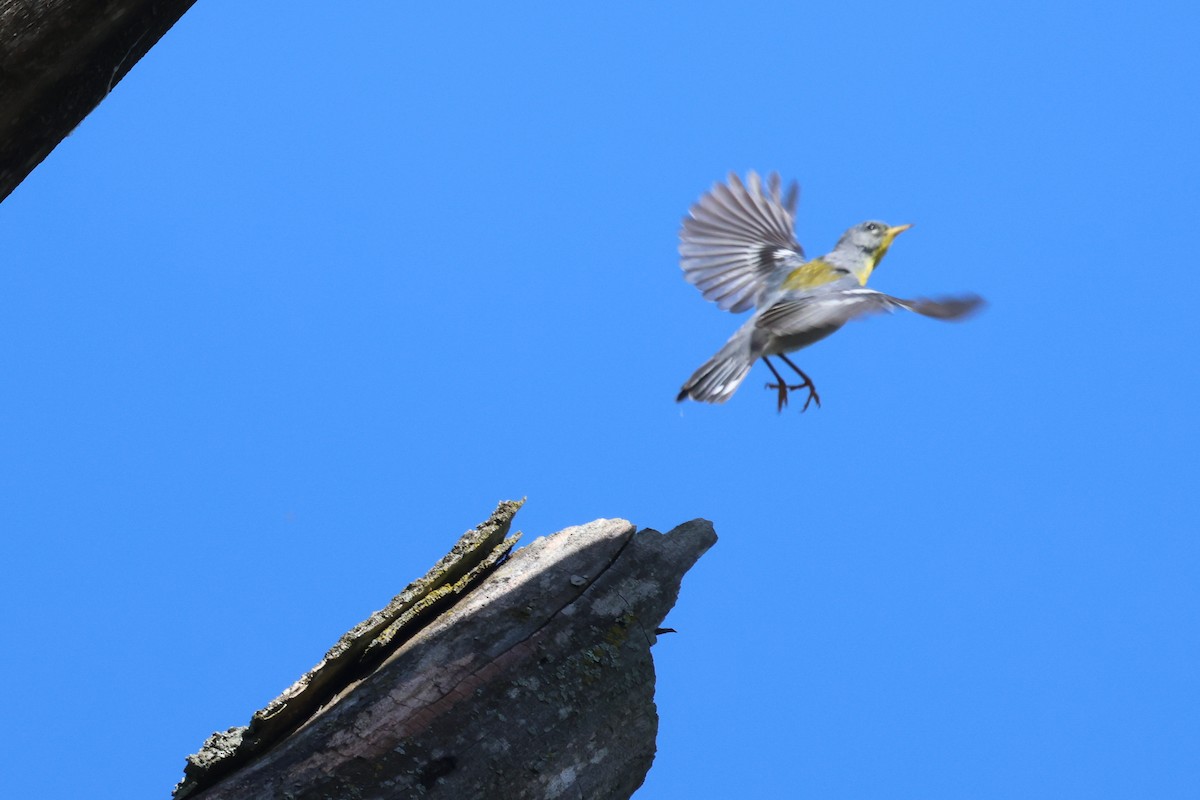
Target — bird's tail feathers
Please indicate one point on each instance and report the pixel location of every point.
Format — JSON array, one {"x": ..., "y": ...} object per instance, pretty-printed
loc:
[{"x": 720, "y": 376}]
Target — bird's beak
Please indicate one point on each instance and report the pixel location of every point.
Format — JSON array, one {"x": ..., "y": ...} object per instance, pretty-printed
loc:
[{"x": 892, "y": 233}]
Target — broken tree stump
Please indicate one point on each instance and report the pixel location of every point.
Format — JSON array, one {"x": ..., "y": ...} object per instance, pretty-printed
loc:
[{"x": 517, "y": 676}]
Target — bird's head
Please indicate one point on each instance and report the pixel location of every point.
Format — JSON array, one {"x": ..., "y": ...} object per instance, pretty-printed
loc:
[{"x": 866, "y": 244}]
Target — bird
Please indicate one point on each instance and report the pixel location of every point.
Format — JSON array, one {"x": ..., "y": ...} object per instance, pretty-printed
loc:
[{"x": 737, "y": 245}]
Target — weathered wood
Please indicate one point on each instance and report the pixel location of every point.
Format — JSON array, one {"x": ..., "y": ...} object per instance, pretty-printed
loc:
[
  {"x": 357, "y": 652},
  {"x": 537, "y": 683},
  {"x": 58, "y": 60}
]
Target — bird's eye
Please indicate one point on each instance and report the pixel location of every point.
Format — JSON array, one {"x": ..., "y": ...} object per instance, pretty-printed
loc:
[{"x": 872, "y": 227}]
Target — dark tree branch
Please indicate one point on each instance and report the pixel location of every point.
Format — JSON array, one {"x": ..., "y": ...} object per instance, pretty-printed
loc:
[{"x": 58, "y": 60}]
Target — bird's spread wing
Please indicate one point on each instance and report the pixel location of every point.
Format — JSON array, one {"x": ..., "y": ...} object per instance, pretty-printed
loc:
[
  {"x": 736, "y": 237},
  {"x": 794, "y": 315}
]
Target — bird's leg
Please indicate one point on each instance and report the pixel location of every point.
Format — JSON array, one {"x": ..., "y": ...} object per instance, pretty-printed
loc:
[
  {"x": 781, "y": 386},
  {"x": 812, "y": 388}
]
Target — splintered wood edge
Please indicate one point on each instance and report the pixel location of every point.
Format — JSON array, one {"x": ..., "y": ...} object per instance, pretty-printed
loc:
[
  {"x": 435, "y": 602},
  {"x": 472, "y": 558}
]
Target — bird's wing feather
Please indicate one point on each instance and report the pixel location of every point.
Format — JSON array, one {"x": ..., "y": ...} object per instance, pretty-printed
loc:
[
  {"x": 947, "y": 308},
  {"x": 797, "y": 314},
  {"x": 736, "y": 237}
]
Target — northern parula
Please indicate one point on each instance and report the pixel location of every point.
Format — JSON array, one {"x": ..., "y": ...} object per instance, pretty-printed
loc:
[{"x": 739, "y": 248}]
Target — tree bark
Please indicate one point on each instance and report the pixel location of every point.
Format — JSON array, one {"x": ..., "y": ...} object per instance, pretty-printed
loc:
[
  {"x": 58, "y": 60},
  {"x": 530, "y": 678}
]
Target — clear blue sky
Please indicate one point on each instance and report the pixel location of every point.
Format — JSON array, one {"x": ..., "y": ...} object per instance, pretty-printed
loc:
[{"x": 312, "y": 284}]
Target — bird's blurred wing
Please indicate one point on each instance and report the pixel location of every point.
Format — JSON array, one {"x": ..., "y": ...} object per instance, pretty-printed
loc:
[
  {"x": 736, "y": 237},
  {"x": 947, "y": 308},
  {"x": 795, "y": 315}
]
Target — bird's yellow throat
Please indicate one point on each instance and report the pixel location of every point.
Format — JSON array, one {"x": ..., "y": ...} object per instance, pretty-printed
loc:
[{"x": 874, "y": 258}]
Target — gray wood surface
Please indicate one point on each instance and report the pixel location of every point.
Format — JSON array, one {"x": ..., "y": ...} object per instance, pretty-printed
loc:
[{"x": 537, "y": 683}]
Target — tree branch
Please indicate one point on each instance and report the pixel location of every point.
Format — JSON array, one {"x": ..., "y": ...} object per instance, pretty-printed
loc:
[{"x": 59, "y": 59}]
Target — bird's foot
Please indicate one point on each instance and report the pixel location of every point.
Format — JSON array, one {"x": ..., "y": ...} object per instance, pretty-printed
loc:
[{"x": 784, "y": 388}]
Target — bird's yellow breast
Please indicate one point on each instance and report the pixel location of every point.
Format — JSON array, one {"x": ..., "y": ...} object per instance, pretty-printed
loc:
[{"x": 812, "y": 274}]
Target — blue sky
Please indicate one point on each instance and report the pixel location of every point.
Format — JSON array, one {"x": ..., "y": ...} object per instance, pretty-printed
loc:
[{"x": 309, "y": 286}]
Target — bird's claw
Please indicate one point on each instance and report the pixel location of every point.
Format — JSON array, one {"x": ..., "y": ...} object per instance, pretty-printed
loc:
[{"x": 784, "y": 388}]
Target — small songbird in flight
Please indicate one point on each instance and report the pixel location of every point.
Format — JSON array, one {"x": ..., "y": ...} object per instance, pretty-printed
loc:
[{"x": 738, "y": 247}]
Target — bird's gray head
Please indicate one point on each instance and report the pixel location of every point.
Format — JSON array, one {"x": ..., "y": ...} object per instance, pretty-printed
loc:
[
  {"x": 866, "y": 244},
  {"x": 869, "y": 236}
]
